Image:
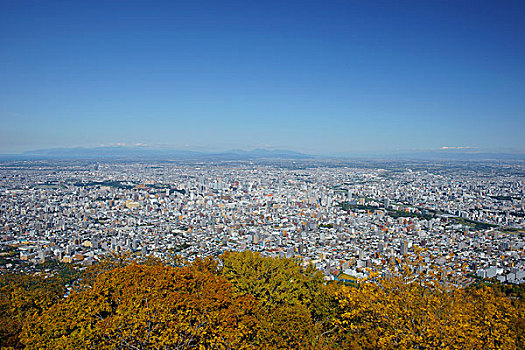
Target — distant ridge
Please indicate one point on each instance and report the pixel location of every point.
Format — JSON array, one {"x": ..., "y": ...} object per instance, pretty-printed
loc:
[
  {"x": 150, "y": 153},
  {"x": 143, "y": 153}
]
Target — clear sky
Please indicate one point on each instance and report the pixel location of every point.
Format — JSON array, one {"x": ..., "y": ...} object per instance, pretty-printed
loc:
[{"x": 327, "y": 76}]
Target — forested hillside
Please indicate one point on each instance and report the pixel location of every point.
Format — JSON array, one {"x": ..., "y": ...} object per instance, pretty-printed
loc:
[{"x": 246, "y": 301}]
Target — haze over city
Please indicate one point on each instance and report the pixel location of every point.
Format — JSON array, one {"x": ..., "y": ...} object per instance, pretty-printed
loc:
[{"x": 336, "y": 77}]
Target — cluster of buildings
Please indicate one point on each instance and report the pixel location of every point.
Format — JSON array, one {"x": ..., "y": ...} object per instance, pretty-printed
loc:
[{"x": 467, "y": 220}]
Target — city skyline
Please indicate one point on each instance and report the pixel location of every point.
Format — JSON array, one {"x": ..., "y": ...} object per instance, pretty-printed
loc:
[
  {"x": 342, "y": 216},
  {"x": 345, "y": 77}
]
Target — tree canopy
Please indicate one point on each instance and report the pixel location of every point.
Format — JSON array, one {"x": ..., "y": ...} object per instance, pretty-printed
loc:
[
  {"x": 247, "y": 301},
  {"x": 148, "y": 307}
]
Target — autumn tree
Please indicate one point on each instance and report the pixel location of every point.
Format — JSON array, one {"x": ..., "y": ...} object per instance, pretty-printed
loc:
[
  {"x": 149, "y": 306},
  {"x": 247, "y": 301},
  {"x": 109, "y": 262},
  {"x": 410, "y": 311},
  {"x": 21, "y": 297},
  {"x": 299, "y": 304}
]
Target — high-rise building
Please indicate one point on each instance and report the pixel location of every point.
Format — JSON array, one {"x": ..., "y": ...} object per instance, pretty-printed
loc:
[{"x": 404, "y": 248}]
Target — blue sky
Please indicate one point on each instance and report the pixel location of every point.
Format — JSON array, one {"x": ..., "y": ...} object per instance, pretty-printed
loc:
[{"x": 313, "y": 76}]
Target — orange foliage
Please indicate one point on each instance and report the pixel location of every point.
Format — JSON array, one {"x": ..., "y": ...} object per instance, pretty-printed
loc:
[
  {"x": 247, "y": 301},
  {"x": 139, "y": 306}
]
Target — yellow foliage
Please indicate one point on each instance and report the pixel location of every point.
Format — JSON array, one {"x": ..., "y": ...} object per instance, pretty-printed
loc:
[
  {"x": 247, "y": 301},
  {"x": 404, "y": 312}
]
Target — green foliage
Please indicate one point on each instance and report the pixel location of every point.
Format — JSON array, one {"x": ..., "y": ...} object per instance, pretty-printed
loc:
[
  {"x": 284, "y": 288},
  {"x": 273, "y": 282},
  {"x": 390, "y": 212}
]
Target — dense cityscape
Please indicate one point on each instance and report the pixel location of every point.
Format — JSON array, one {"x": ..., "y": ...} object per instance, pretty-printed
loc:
[{"x": 347, "y": 218}]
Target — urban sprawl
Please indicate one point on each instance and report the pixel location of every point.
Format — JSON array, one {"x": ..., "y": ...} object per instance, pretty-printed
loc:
[{"x": 347, "y": 218}]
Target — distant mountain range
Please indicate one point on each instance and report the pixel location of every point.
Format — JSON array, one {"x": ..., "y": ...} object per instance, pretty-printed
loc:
[
  {"x": 128, "y": 153},
  {"x": 145, "y": 153}
]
